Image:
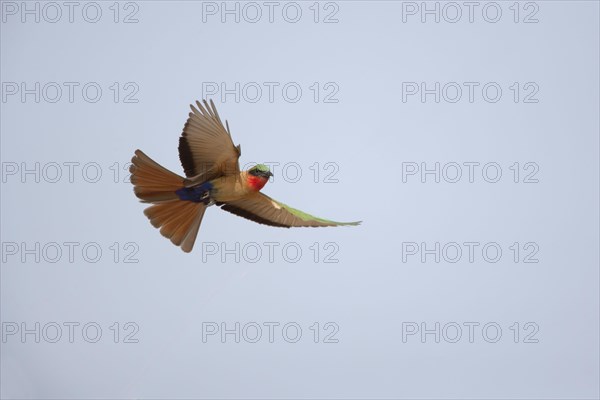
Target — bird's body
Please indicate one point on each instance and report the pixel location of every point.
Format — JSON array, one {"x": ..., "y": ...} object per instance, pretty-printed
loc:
[
  {"x": 210, "y": 162},
  {"x": 235, "y": 187},
  {"x": 223, "y": 189}
]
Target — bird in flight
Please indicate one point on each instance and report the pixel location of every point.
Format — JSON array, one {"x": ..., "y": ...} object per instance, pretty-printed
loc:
[{"x": 210, "y": 161}]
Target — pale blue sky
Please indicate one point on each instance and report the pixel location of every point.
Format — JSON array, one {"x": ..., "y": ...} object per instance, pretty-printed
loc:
[{"x": 164, "y": 61}]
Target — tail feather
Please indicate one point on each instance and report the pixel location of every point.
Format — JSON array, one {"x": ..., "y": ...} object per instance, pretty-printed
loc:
[
  {"x": 178, "y": 220},
  {"x": 161, "y": 212},
  {"x": 188, "y": 242},
  {"x": 186, "y": 226},
  {"x": 171, "y": 227},
  {"x": 153, "y": 182}
]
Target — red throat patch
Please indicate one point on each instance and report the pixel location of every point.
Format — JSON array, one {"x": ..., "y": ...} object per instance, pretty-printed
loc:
[{"x": 257, "y": 182}]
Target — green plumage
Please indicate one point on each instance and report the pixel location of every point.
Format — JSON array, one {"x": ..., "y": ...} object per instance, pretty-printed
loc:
[
  {"x": 307, "y": 217},
  {"x": 260, "y": 168}
]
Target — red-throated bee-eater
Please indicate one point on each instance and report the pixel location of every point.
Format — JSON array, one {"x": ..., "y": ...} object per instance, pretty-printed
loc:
[{"x": 210, "y": 161}]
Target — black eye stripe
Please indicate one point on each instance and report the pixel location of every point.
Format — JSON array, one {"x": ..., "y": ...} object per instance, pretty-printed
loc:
[{"x": 257, "y": 172}]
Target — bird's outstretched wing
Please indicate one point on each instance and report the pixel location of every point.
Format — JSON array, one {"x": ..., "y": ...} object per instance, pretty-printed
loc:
[
  {"x": 206, "y": 150},
  {"x": 261, "y": 208}
]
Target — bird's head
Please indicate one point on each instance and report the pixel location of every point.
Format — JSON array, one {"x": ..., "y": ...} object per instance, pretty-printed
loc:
[
  {"x": 258, "y": 176},
  {"x": 260, "y": 170}
]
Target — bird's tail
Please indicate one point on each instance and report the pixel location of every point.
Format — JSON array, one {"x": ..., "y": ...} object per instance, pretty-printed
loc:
[{"x": 178, "y": 220}]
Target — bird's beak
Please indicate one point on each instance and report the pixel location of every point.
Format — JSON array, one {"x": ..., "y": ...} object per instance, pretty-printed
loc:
[{"x": 269, "y": 174}]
